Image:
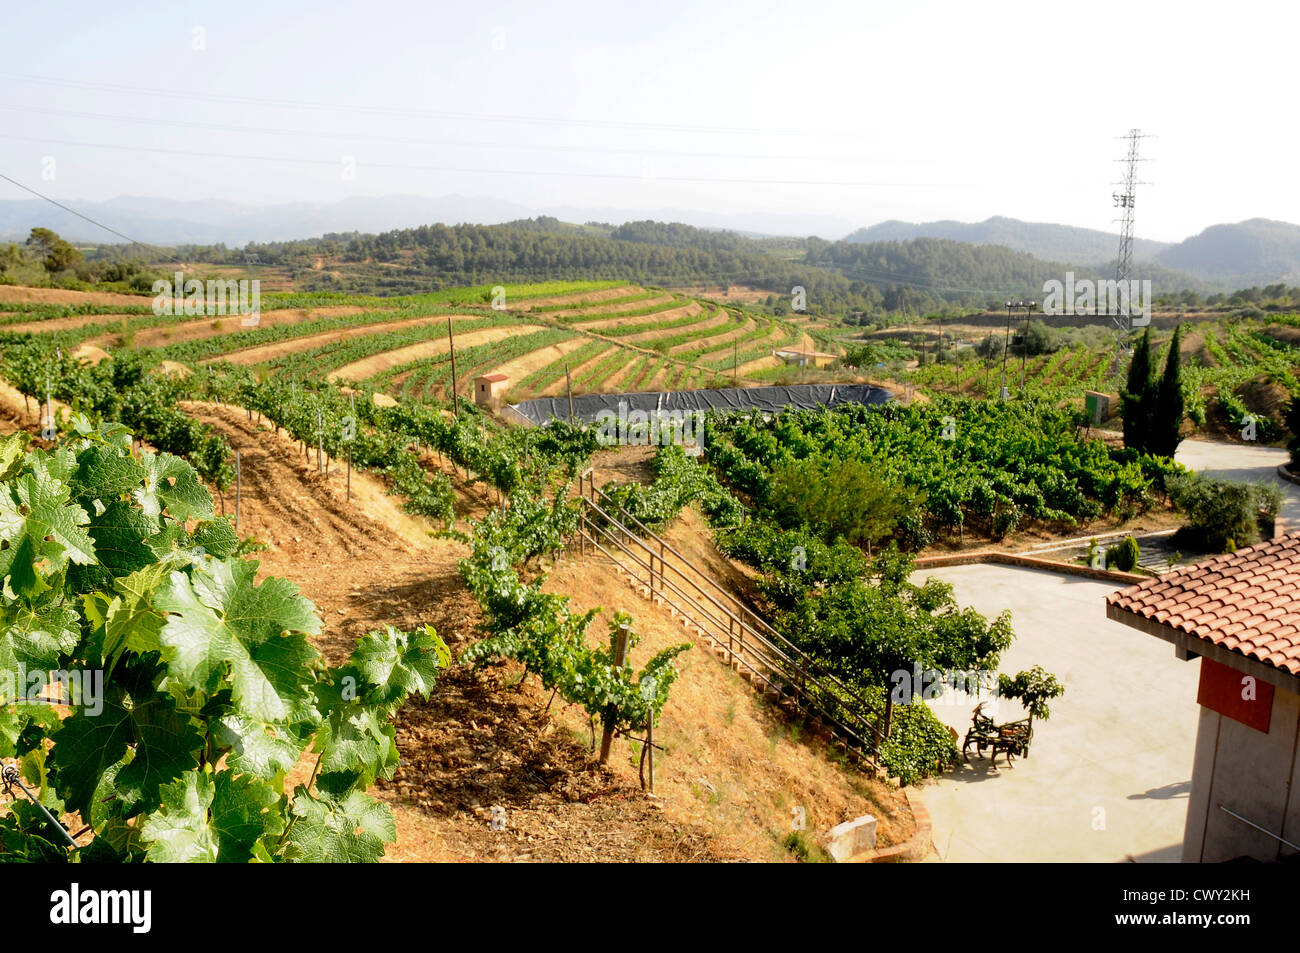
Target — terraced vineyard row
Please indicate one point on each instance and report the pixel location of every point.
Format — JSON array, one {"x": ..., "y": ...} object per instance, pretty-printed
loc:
[
  {"x": 584, "y": 305},
  {"x": 588, "y": 317},
  {"x": 612, "y": 337},
  {"x": 430, "y": 378},
  {"x": 339, "y": 353}
]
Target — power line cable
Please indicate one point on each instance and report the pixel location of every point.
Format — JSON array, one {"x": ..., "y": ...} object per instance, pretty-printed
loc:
[
  {"x": 415, "y": 140},
  {"x": 97, "y": 224},
  {"x": 622, "y": 176},
  {"x": 419, "y": 113}
]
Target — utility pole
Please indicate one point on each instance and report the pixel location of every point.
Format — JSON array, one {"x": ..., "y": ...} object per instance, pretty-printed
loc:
[
  {"x": 451, "y": 346},
  {"x": 1125, "y": 200},
  {"x": 1024, "y": 343},
  {"x": 568, "y": 384},
  {"x": 1006, "y": 346}
]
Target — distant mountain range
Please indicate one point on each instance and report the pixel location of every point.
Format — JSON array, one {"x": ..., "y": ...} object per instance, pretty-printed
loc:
[
  {"x": 1084, "y": 246},
  {"x": 1254, "y": 252},
  {"x": 211, "y": 222},
  {"x": 1258, "y": 251},
  {"x": 169, "y": 222}
]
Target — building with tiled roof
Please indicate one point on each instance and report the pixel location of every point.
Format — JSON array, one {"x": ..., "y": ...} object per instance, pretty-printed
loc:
[{"x": 1240, "y": 615}]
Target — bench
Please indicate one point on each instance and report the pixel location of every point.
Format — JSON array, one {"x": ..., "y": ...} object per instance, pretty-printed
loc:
[{"x": 1011, "y": 739}]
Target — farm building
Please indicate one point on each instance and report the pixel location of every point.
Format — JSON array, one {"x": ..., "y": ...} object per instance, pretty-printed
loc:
[
  {"x": 804, "y": 358},
  {"x": 1240, "y": 614},
  {"x": 489, "y": 390}
]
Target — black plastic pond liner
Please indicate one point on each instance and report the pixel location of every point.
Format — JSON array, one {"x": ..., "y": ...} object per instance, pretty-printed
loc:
[{"x": 769, "y": 399}]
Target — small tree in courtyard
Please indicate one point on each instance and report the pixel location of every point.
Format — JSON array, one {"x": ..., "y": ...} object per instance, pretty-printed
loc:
[{"x": 1033, "y": 688}]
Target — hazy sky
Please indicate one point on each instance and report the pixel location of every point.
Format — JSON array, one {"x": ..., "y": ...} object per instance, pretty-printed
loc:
[{"x": 916, "y": 110}]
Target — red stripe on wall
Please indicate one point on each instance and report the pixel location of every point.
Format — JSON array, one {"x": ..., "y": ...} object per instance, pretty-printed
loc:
[{"x": 1242, "y": 698}]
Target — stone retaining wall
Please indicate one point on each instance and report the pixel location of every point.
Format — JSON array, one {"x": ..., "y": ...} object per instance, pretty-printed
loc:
[{"x": 1028, "y": 562}]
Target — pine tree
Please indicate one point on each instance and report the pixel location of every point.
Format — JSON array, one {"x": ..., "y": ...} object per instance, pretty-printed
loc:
[
  {"x": 1167, "y": 418},
  {"x": 1135, "y": 398}
]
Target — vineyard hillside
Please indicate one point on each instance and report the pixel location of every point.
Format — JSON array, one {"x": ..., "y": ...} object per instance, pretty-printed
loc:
[{"x": 732, "y": 770}]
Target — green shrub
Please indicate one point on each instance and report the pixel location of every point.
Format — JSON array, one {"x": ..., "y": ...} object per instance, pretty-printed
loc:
[
  {"x": 1220, "y": 511},
  {"x": 1006, "y": 519},
  {"x": 1124, "y": 555},
  {"x": 838, "y": 499},
  {"x": 679, "y": 481},
  {"x": 919, "y": 744},
  {"x": 805, "y": 849}
]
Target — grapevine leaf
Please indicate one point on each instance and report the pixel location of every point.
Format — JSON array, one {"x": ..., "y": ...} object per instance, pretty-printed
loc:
[
  {"x": 357, "y": 739},
  {"x": 115, "y": 841},
  {"x": 352, "y": 828},
  {"x": 10, "y": 728},
  {"x": 13, "y": 451},
  {"x": 399, "y": 663},
  {"x": 119, "y": 534},
  {"x": 59, "y": 465},
  {"x": 105, "y": 473},
  {"x": 23, "y": 728},
  {"x": 203, "y": 820},
  {"x": 171, "y": 484},
  {"x": 33, "y": 636},
  {"x": 260, "y": 748},
  {"x": 42, "y": 529},
  {"x": 244, "y": 811},
  {"x": 225, "y": 629},
  {"x": 148, "y": 741},
  {"x": 217, "y": 537},
  {"x": 180, "y": 831},
  {"x": 166, "y": 743},
  {"x": 128, "y": 618}
]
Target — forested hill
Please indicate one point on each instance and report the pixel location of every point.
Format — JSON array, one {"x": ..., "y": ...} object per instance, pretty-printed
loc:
[
  {"x": 838, "y": 276},
  {"x": 1041, "y": 239},
  {"x": 1257, "y": 251}
]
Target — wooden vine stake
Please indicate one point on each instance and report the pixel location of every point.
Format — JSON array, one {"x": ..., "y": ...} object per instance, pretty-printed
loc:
[
  {"x": 238, "y": 488},
  {"x": 620, "y": 658},
  {"x": 650, "y": 749},
  {"x": 352, "y": 402}
]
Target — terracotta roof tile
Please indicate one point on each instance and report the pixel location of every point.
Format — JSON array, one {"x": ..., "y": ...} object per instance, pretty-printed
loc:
[{"x": 1247, "y": 601}]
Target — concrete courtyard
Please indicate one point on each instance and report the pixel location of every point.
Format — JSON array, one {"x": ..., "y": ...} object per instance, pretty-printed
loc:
[{"x": 1108, "y": 775}]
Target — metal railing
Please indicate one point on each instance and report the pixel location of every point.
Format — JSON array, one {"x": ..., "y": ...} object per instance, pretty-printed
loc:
[
  {"x": 1262, "y": 830},
  {"x": 747, "y": 642}
]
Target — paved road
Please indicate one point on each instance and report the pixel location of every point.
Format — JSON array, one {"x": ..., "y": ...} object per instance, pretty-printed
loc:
[{"x": 1109, "y": 772}]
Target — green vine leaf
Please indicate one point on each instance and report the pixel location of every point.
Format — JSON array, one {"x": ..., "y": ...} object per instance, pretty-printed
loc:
[
  {"x": 42, "y": 528},
  {"x": 348, "y": 829},
  {"x": 397, "y": 664},
  {"x": 145, "y": 742},
  {"x": 223, "y": 629}
]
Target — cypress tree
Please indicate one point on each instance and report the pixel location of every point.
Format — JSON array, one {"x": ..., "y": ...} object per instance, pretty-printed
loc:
[
  {"x": 1167, "y": 419},
  {"x": 1135, "y": 398},
  {"x": 1293, "y": 425}
]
